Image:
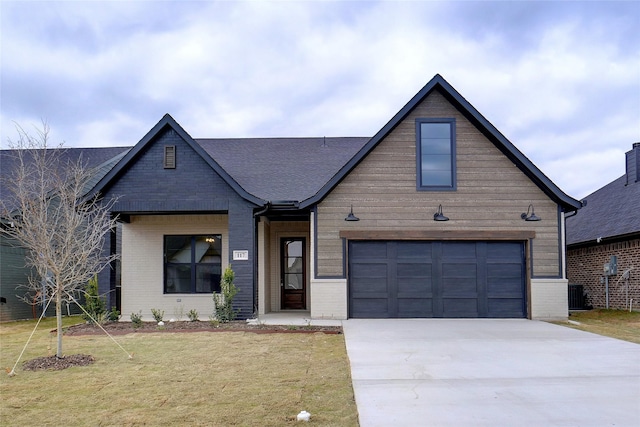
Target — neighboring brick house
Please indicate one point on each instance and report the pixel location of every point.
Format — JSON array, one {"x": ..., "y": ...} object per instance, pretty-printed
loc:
[
  {"x": 436, "y": 215},
  {"x": 608, "y": 224}
]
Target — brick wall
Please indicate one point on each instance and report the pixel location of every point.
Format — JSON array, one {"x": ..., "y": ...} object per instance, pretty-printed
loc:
[
  {"x": 329, "y": 299},
  {"x": 585, "y": 267}
]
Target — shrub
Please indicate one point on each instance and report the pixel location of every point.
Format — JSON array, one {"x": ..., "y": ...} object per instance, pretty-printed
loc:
[
  {"x": 223, "y": 301},
  {"x": 136, "y": 319},
  {"x": 157, "y": 314},
  {"x": 114, "y": 314},
  {"x": 193, "y": 315},
  {"x": 94, "y": 304}
]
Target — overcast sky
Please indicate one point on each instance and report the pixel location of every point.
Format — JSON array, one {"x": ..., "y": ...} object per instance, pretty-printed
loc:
[{"x": 561, "y": 80}]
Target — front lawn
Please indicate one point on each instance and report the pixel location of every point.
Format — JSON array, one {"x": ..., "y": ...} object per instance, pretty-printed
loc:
[
  {"x": 195, "y": 379},
  {"x": 619, "y": 324}
]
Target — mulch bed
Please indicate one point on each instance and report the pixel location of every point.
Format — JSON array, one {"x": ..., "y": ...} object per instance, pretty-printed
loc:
[
  {"x": 54, "y": 363},
  {"x": 122, "y": 328}
]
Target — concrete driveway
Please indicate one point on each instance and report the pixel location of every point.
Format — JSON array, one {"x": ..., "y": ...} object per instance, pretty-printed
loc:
[{"x": 490, "y": 372}]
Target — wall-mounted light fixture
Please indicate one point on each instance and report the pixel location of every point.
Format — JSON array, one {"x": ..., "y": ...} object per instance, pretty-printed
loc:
[
  {"x": 530, "y": 215},
  {"x": 351, "y": 216},
  {"x": 438, "y": 216}
]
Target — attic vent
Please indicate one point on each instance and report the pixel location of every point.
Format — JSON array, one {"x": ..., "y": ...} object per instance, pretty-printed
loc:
[{"x": 169, "y": 156}]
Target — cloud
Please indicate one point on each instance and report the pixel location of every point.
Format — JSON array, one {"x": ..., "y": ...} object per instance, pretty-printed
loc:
[{"x": 560, "y": 79}]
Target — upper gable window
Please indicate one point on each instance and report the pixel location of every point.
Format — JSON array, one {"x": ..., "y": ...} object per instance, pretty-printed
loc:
[{"x": 436, "y": 154}]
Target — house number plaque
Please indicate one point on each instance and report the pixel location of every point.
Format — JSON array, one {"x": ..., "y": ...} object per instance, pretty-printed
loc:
[{"x": 240, "y": 255}]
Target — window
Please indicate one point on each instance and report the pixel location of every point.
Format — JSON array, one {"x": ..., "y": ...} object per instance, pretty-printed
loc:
[
  {"x": 436, "y": 154},
  {"x": 192, "y": 264}
]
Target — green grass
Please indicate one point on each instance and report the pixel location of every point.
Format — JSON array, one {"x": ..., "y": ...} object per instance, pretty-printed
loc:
[
  {"x": 195, "y": 379},
  {"x": 619, "y": 324}
]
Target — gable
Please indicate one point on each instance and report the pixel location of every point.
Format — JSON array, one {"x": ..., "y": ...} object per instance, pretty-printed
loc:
[
  {"x": 152, "y": 185},
  {"x": 145, "y": 184},
  {"x": 438, "y": 84}
]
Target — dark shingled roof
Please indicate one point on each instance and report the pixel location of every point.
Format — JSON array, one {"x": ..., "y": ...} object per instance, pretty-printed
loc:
[
  {"x": 613, "y": 210},
  {"x": 282, "y": 169}
]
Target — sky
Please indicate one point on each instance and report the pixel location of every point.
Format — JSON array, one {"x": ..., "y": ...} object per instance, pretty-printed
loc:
[{"x": 560, "y": 79}]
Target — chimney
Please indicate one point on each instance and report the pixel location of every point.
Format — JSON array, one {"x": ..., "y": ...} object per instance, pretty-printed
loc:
[{"x": 633, "y": 164}]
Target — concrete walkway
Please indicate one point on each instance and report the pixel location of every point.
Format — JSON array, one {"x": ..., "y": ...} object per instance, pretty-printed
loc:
[{"x": 486, "y": 372}]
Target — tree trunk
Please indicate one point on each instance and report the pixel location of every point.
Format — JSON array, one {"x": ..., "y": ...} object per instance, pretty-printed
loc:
[{"x": 59, "y": 320}]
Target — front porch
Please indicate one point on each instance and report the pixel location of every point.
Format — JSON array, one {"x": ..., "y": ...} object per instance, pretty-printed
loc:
[{"x": 293, "y": 318}]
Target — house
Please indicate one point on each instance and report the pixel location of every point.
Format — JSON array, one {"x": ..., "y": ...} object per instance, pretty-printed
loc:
[
  {"x": 436, "y": 215},
  {"x": 344, "y": 227},
  {"x": 608, "y": 226},
  {"x": 14, "y": 276}
]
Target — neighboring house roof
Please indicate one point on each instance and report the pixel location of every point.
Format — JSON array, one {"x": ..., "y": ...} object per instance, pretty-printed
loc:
[
  {"x": 503, "y": 144},
  {"x": 612, "y": 211},
  {"x": 282, "y": 169},
  {"x": 102, "y": 159}
]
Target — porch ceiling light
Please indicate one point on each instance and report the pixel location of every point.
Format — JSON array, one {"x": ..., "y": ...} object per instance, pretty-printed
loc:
[
  {"x": 530, "y": 216},
  {"x": 438, "y": 216},
  {"x": 351, "y": 216}
]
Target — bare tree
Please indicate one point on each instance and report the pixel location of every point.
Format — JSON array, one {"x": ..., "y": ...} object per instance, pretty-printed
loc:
[{"x": 48, "y": 214}]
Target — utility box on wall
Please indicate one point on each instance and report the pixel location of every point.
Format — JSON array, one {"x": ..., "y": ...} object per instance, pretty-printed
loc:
[{"x": 611, "y": 268}]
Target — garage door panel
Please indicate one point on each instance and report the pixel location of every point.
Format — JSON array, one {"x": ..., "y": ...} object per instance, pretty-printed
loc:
[
  {"x": 456, "y": 250},
  {"x": 366, "y": 270},
  {"x": 504, "y": 287},
  {"x": 460, "y": 287},
  {"x": 420, "y": 250},
  {"x": 369, "y": 251},
  {"x": 460, "y": 307},
  {"x": 505, "y": 251},
  {"x": 371, "y": 286},
  {"x": 370, "y": 308},
  {"x": 504, "y": 270},
  {"x": 415, "y": 307},
  {"x": 459, "y": 269},
  {"x": 413, "y": 269},
  {"x": 414, "y": 287},
  {"x": 505, "y": 307}
]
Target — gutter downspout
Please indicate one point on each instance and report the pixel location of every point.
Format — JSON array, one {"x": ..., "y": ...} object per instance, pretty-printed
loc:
[{"x": 564, "y": 238}]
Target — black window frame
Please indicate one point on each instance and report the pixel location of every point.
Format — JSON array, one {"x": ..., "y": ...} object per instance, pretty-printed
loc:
[
  {"x": 452, "y": 136},
  {"x": 193, "y": 265}
]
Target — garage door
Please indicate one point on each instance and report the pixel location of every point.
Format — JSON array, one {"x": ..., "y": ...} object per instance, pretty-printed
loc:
[{"x": 389, "y": 279}]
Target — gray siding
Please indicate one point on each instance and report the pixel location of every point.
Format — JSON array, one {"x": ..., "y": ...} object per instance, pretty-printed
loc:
[
  {"x": 491, "y": 194},
  {"x": 14, "y": 277}
]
